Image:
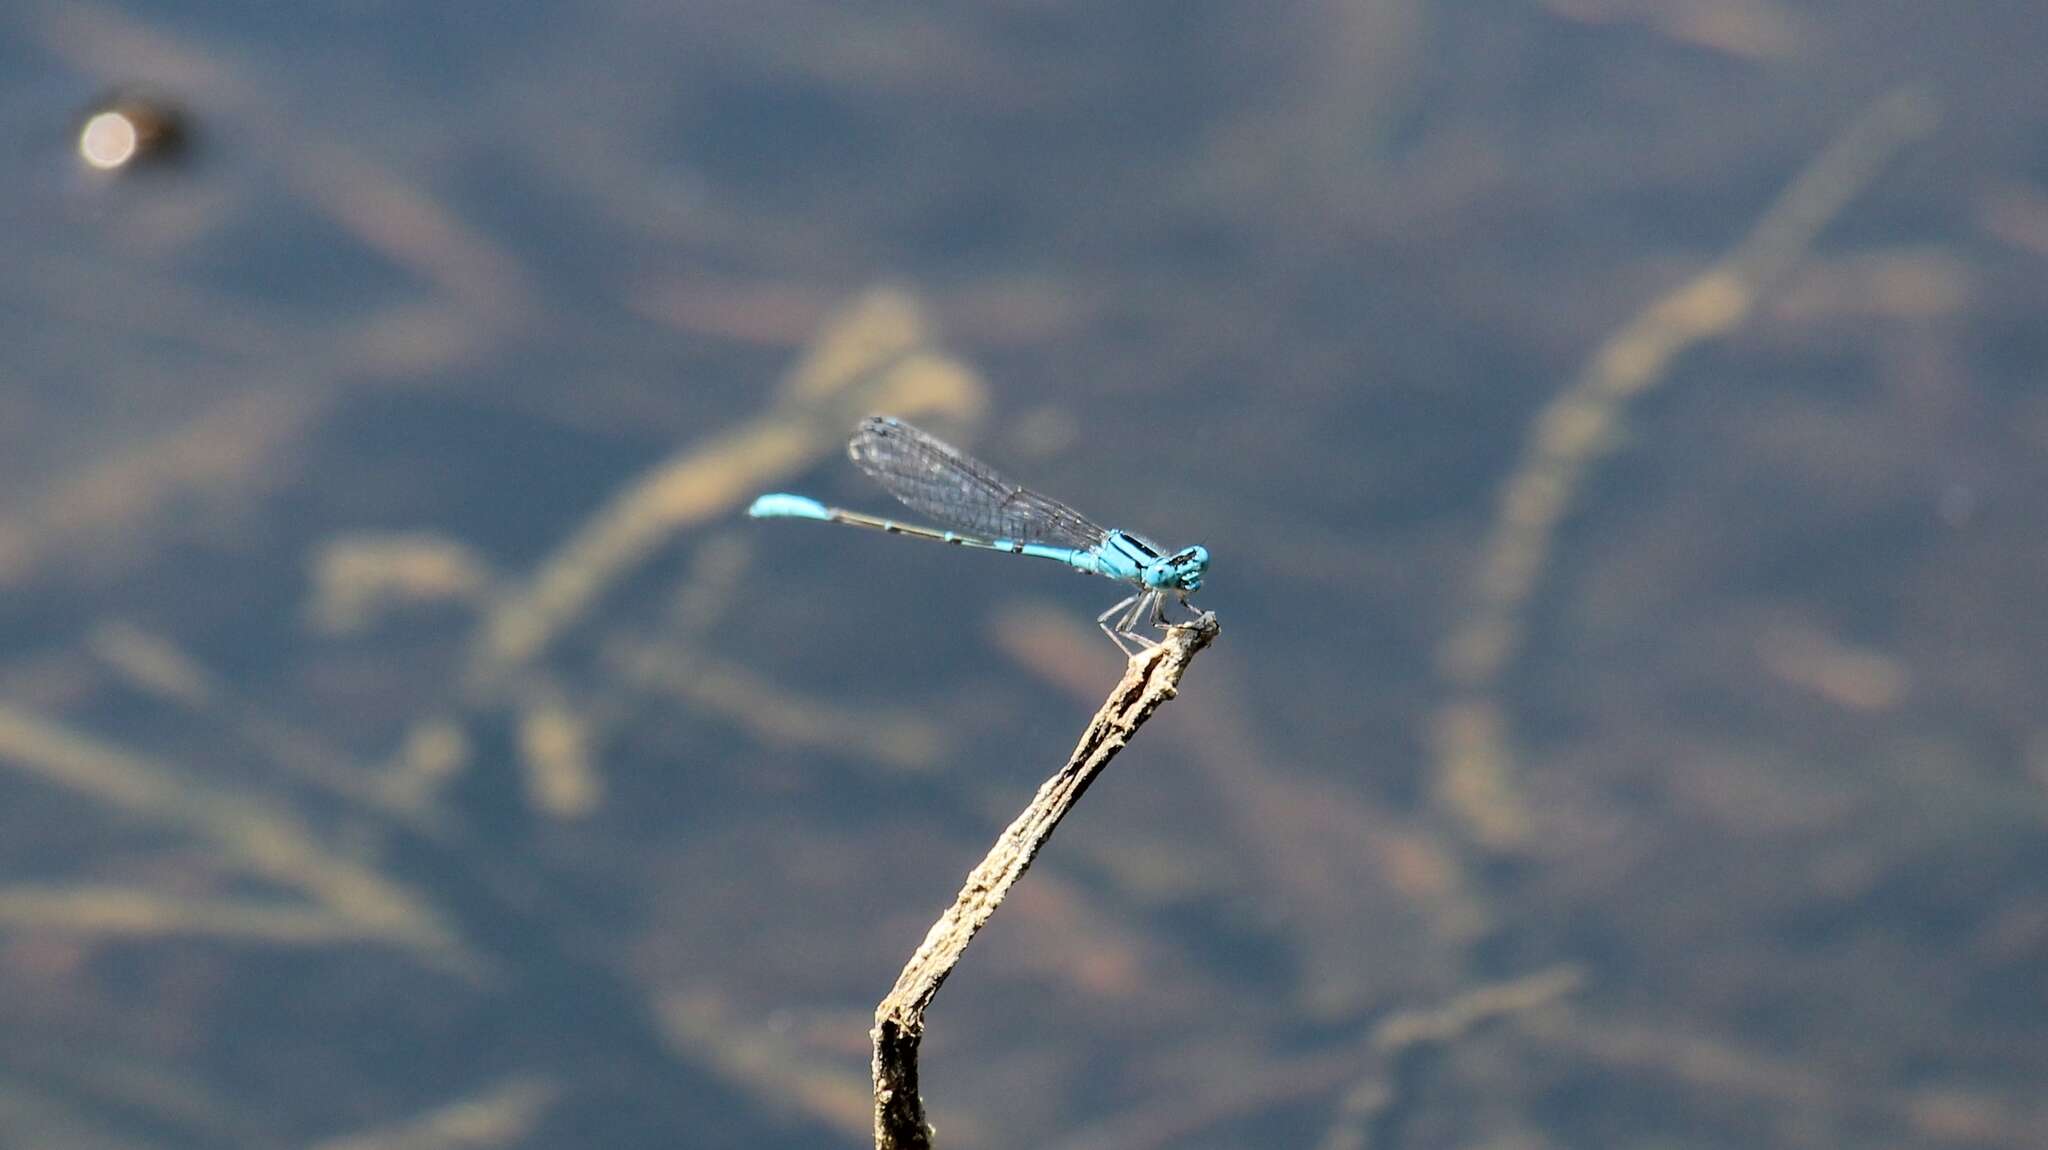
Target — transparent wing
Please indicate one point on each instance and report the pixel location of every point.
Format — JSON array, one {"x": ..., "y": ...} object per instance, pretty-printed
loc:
[{"x": 961, "y": 491}]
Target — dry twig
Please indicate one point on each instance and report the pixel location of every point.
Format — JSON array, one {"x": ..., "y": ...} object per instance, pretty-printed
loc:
[{"x": 1152, "y": 678}]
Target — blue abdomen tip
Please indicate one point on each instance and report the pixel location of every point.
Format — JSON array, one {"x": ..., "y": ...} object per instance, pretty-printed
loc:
[{"x": 788, "y": 507}]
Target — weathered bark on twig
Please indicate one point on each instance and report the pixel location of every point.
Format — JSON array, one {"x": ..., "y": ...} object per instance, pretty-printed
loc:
[{"x": 1152, "y": 678}]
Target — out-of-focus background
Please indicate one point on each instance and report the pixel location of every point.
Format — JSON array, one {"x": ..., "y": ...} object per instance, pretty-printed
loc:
[{"x": 1618, "y": 424}]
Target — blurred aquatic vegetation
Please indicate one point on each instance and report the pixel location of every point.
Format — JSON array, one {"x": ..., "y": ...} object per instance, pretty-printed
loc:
[
  {"x": 1573, "y": 430},
  {"x": 876, "y": 353}
]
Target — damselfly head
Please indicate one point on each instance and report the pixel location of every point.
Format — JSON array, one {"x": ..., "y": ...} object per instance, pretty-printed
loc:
[{"x": 1181, "y": 571}]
